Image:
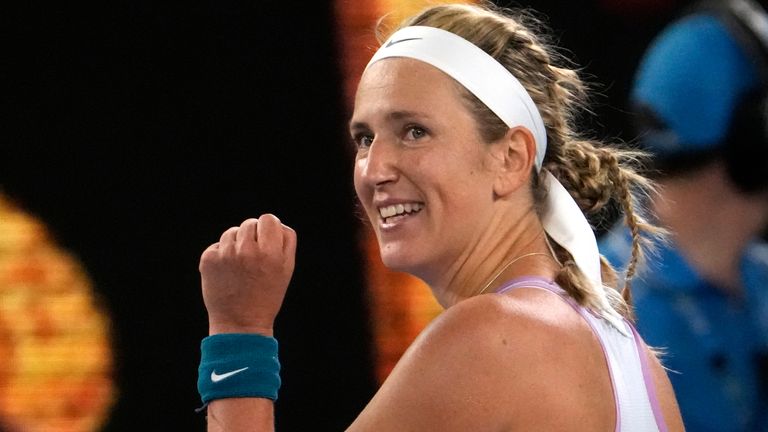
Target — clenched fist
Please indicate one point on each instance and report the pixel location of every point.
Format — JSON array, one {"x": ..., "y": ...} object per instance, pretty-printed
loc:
[{"x": 245, "y": 276}]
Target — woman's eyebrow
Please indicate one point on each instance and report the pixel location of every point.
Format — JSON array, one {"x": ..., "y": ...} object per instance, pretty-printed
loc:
[
  {"x": 399, "y": 115},
  {"x": 358, "y": 125},
  {"x": 394, "y": 115}
]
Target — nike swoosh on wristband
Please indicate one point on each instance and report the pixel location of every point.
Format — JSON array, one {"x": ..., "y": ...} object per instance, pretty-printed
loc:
[
  {"x": 216, "y": 377},
  {"x": 401, "y": 40}
]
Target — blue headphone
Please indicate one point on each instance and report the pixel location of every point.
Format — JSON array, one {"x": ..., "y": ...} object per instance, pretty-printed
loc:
[{"x": 692, "y": 109}]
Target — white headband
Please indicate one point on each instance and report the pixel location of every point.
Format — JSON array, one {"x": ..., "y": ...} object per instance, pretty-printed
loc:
[
  {"x": 480, "y": 73},
  {"x": 503, "y": 94}
]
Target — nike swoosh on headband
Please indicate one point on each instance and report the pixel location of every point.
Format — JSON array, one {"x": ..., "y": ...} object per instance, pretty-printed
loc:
[
  {"x": 216, "y": 377},
  {"x": 394, "y": 42}
]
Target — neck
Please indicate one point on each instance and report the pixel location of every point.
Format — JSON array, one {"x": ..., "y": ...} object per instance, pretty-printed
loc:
[
  {"x": 494, "y": 279},
  {"x": 501, "y": 253}
]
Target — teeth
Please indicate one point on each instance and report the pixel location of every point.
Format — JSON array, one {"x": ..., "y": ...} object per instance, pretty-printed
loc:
[{"x": 399, "y": 209}]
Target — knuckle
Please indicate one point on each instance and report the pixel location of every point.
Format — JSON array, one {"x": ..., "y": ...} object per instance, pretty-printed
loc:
[
  {"x": 229, "y": 232},
  {"x": 206, "y": 260},
  {"x": 269, "y": 217},
  {"x": 248, "y": 222},
  {"x": 208, "y": 254}
]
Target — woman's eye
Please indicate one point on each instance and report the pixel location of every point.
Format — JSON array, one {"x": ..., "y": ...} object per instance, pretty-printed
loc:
[
  {"x": 415, "y": 132},
  {"x": 362, "y": 140}
]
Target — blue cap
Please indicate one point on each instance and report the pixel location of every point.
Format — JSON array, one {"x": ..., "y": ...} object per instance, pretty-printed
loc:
[{"x": 692, "y": 77}]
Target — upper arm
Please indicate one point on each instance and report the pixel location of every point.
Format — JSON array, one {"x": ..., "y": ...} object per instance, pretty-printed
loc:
[
  {"x": 664, "y": 392},
  {"x": 460, "y": 374}
]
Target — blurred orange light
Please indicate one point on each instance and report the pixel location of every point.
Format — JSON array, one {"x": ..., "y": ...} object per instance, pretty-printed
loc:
[{"x": 55, "y": 348}]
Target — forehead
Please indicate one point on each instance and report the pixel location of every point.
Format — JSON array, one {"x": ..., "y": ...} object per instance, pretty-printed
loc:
[{"x": 407, "y": 84}]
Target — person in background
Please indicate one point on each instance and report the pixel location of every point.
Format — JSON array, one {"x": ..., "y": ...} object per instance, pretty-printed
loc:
[
  {"x": 699, "y": 101},
  {"x": 475, "y": 179}
]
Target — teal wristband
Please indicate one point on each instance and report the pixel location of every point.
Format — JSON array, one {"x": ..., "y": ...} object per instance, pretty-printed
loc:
[{"x": 236, "y": 365}]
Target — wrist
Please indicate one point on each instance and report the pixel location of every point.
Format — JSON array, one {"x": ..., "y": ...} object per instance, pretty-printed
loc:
[
  {"x": 237, "y": 365},
  {"x": 215, "y": 328}
]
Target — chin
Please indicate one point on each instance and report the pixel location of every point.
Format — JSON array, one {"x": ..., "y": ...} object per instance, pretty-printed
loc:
[
  {"x": 394, "y": 262},
  {"x": 394, "y": 258},
  {"x": 402, "y": 262}
]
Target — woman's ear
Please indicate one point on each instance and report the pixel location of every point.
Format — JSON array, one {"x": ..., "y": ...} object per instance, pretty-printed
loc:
[{"x": 516, "y": 155}]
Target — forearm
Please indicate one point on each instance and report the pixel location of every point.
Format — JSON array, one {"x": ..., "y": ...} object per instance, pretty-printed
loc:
[{"x": 241, "y": 415}]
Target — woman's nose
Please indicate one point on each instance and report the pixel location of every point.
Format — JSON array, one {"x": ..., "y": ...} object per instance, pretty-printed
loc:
[{"x": 379, "y": 164}]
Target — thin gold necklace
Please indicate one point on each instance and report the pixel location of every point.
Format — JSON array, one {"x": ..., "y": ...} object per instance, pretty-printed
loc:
[{"x": 507, "y": 266}]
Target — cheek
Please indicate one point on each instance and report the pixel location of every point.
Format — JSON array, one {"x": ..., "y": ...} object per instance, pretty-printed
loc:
[{"x": 362, "y": 192}]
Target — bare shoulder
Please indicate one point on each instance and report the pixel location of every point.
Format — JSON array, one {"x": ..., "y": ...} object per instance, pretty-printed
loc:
[
  {"x": 487, "y": 360},
  {"x": 505, "y": 362},
  {"x": 500, "y": 325}
]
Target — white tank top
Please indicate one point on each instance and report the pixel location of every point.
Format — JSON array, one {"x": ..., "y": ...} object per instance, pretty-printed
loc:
[{"x": 634, "y": 392}]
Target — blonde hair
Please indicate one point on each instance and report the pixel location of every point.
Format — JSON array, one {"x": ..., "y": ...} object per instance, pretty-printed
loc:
[{"x": 596, "y": 174}]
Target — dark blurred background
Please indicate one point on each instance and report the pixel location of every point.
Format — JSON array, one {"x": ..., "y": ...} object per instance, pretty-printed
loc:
[{"x": 139, "y": 131}]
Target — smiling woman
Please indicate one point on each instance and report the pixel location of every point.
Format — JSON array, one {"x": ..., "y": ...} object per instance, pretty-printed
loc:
[
  {"x": 419, "y": 151},
  {"x": 475, "y": 180}
]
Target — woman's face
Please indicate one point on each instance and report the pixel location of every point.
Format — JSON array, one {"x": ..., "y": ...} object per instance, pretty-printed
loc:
[{"x": 421, "y": 171}]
